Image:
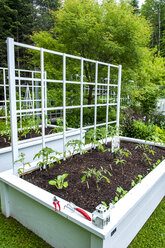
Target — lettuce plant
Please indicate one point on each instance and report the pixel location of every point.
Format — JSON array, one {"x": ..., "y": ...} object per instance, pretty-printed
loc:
[{"x": 59, "y": 181}]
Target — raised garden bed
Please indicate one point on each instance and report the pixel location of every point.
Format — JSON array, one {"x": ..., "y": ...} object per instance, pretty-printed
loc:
[
  {"x": 31, "y": 146},
  {"x": 78, "y": 192},
  {"x": 5, "y": 139},
  {"x": 33, "y": 206}
]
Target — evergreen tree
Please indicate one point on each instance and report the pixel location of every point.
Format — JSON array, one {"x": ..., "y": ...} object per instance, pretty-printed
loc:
[
  {"x": 135, "y": 5},
  {"x": 154, "y": 12},
  {"x": 20, "y": 18}
]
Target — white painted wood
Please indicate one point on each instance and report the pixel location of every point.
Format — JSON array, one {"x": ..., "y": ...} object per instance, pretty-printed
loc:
[
  {"x": 64, "y": 104},
  {"x": 12, "y": 93},
  {"x": 118, "y": 96},
  {"x": 142, "y": 141},
  {"x": 32, "y": 146},
  {"x": 128, "y": 216},
  {"x": 42, "y": 97},
  {"x": 5, "y": 205}
]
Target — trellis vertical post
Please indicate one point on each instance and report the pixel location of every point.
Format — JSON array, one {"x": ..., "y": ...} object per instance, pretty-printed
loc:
[
  {"x": 12, "y": 93},
  {"x": 107, "y": 109},
  {"x": 45, "y": 87},
  {"x": 81, "y": 102},
  {"x": 5, "y": 98},
  {"x": 95, "y": 113},
  {"x": 33, "y": 92},
  {"x": 42, "y": 98},
  {"x": 118, "y": 97},
  {"x": 19, "y": 82},
  {"x": 64, "y": 104}
]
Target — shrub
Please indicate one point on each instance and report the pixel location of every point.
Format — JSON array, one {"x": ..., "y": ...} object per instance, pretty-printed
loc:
[{"x": 143, "y": 131}]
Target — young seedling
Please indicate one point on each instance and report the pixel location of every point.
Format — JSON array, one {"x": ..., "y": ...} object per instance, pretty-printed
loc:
[
  {"x": 91, "y": 137},
  {"x": 59, "y": 182},
  {"x": 102, "y": 133},
  {"x": 119, "y": 194},
  {"x": 5, "y": 129},
  {"x": 29, "y": 125},
  {"x": 146, "y": 149},
  {"x": 105, "y": 204},
  {"x": 21, "y": 170},
  {"x": 138, "y": 180},
  {"x": 97, "y": 175},
  {"x": 46, "y": 158},
  {"x": 113, "y": 131},
  {"x": 76, "y": 146},
  {"x": 158, "y": 162},
  {"x": 121, "y": 153},
  {"x": 59, "y": 127}
]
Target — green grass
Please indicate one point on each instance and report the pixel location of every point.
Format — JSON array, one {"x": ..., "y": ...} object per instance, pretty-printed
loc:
[
  {"x": 14, "y": 235},
  {"x": 153, "y": 232}
]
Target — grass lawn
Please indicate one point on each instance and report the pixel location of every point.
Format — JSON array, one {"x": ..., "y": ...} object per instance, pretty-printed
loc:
[{"x": 14, "y": 235}]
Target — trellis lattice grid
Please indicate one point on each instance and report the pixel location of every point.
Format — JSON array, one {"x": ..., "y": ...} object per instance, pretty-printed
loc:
[{"x": 103, "y": 89}]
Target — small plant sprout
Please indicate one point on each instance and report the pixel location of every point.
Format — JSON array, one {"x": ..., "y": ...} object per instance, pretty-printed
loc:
[
  {"x": 146, "y": 149},
  {"x": 102, "y": 133},
  {"x": 91, "y": 137},
  {"x": 104, "y": 204},
  {"x": 97, "y": 175},
  {"x": 158, "y": 162},
  {"x": 47, "y": 159},
  {"x": 121, "y": 153},
  {"x": 21, "y": 170},
  {"x": 59, "y": 182},
  {"x": 76, "y": 146},
  {"x": 120, "y": 193},
  {"x": 113, "y": 131},
  {"x": 137, "y": 180},
  {"x": 110, "y": 206}
]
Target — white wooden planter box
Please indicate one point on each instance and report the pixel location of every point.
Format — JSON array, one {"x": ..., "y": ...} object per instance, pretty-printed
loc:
[
  {"x": 31, "y": 146},
  {"x": 33, "y": 207}
]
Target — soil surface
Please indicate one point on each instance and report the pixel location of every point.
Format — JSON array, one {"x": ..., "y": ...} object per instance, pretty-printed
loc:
[
  {"x": 5, "y": 141},
  {"x": 78, "y": 192}
]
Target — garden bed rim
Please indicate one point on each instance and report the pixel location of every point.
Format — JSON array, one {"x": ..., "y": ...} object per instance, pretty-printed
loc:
[
  {"x": 118, "y": 213},
  {"x": 140, "y": 190},
  {"x": 142, "y": 141},
  {"x": 38, "y": 140}
]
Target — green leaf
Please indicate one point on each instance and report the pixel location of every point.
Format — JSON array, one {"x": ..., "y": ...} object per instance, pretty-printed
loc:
[
  {"x": 52, "y": 182},
  {"x": 83, "y": 179}
]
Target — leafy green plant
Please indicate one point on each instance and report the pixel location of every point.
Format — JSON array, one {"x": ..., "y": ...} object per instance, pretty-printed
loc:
[
  {"x": 5, "y": 129},
  {"x": 114, "y": 130},
  {"x": 59, "y": 182},
  {"x": 120, "y": 193},
  {"x": 146, "y": 149},
  {"x": 101, "y": 134},
  {"x": 97, "y": 175},
  {"x": 91, "y": 137},
  {"x": 76, "y": 146},
  {"x": 137, "y": 180},
  {"x": 59, "y": 127},
  {"x": 29, "y": 124},
  {"x": 121, "y": 153},
  {"x": 158, "y": 162},
  {"x": 22, "y": 161},
  {"x": 46, "y": 158}
]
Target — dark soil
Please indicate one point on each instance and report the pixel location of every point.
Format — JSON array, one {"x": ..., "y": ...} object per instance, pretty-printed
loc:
[
  {"x": 78, "y": 192},
  {"x": 5, "y": 141}
]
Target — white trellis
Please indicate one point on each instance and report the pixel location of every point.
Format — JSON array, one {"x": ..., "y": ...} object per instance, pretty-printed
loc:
[
  {"x": 43, "y": 80},
  {"x": 27, "y": 100}
]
